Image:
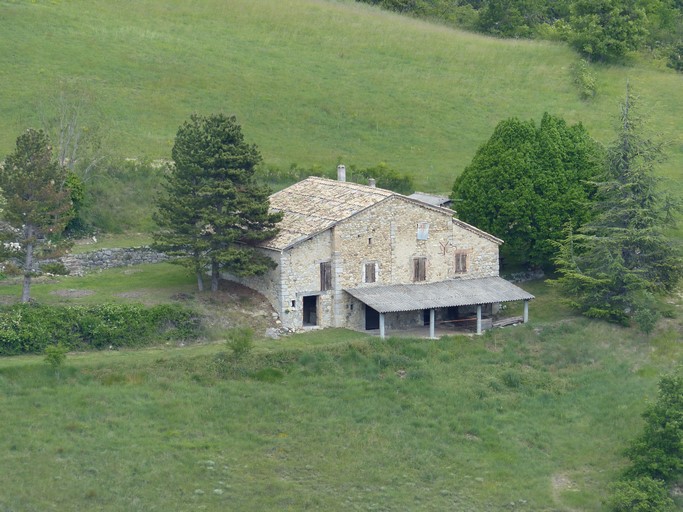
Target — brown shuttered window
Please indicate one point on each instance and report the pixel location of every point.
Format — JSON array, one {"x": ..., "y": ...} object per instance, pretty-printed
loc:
[
  {"x": 419, "y": 269},
  {"x": 325, "y": 276},
  {"x": 460, "y": 262},
  {"x": 370, "y": 273}
]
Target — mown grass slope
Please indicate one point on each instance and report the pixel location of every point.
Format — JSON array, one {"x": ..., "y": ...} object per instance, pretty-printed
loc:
[{"x": 311, "y": 81}]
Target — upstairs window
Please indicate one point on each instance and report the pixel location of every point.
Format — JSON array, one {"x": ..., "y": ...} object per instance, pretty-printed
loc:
[
  {"x": 423, "y": 230},
  {"x": 370, "y": 273},
  {"x": 460, "y": 262},
  {"x": 419, "y": 269},
  {"x": 325, "y": 276}
]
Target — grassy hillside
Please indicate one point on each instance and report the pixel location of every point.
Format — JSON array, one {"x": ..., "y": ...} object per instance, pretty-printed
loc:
[
  {"x": 528, "y": 418},
  {"x": 311, "y": 81}
]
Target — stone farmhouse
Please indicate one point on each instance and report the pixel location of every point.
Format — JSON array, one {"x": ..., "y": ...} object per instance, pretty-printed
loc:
[{"x": 364, "y": 258}]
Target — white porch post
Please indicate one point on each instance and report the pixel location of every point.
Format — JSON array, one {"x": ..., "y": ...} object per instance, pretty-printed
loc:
[
  {"x": 478, "y": 318},
  {"x": 381, "y": 325},
  {"x": 526, "y": 311},
  {"x": 431, "y": 323}
]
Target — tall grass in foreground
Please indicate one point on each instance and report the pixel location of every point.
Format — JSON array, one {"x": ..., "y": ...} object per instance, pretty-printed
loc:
[{"x": 527, "y": 418}]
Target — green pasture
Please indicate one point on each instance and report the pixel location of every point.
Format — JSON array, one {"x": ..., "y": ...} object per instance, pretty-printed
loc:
[
  {"x": 312, "y": 82},
  {"x": 150, "y": 284},
  {"x": 111, "y": 240},
  {"x": 532, "y": 417}
]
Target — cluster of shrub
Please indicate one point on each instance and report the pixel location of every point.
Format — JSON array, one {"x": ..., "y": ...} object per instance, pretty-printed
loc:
[
  {"x": 656, "y": 455},
  {"x": 30, "y": 328},
  {"x": 598, "y": 29}
]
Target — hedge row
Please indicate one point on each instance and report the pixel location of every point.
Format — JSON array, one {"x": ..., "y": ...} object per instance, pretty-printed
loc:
[{"x": 29, "y": 328}]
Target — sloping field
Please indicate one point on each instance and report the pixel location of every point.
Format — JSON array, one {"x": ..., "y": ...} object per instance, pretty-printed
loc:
[{"x": 311, "y": 81}]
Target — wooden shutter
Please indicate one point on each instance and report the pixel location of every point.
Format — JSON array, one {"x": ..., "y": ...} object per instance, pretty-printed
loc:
[
  {"x": 325, "y": 276},
  {"x": 370, "y": 273},
  {"x": 460, "y": 262},
  {"x": 419, "y": 269}
]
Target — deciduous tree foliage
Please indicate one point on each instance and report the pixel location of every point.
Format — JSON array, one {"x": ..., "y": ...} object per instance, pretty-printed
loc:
[
  {"x": 213, "y": 212},
  {"x": 599, "y": 29},
  {"x": 610, "y": 267},
  {"x": 526, "y": 182},
  {"x": 607, "y": 29},
  {"x": 38, "y": 202}
]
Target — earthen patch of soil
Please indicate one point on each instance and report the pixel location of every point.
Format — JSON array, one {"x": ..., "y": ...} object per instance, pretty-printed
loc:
[
  {"x": 129, "y": 295},
  {"x": 72, "y": 293}
]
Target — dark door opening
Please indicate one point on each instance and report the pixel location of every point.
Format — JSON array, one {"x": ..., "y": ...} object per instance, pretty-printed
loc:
[
  {"x": 371, "y": 318},
  {"x": 425, "y": 317},
  {"x": 311, "y": 310}
]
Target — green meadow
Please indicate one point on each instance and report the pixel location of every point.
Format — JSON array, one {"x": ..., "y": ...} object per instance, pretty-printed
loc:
[
  {"x": 532, "y": 417},
  {"x": 312, "y": 82},
  {"x": 529, "y": 418}
]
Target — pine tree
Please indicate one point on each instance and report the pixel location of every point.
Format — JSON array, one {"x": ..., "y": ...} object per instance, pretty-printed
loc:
[
  {"x": 38, "y": 202},
  {"x": 213, "y": 212},
  {"x": 612, "y": 265}
]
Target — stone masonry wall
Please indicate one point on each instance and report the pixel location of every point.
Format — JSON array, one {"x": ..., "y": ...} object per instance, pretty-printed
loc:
[
  {"x": 386, "y": 235},
  {"x": 267, "y": 284},
  {"x": 100, "y": 259}
]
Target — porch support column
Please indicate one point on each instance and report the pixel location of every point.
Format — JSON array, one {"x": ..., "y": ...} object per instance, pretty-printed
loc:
[
  {"x": 381, "y": 325},
  {"x": 526, "y": 311},
  {"x": 431, "y": 323},
  {"x": 478, "y": 318}
]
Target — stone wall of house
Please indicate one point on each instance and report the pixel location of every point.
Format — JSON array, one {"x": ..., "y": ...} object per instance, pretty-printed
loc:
[
  {"x": 301, "y": 278},
  {"x": 100, "y": 259},
  {"x": 296, "y": 276},
  {"x": 385, "y": 236},
  {"x": 266, "y": 284}
]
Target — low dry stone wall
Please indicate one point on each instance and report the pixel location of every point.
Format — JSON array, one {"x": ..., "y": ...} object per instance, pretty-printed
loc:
[{"x": 110, "y": 258}]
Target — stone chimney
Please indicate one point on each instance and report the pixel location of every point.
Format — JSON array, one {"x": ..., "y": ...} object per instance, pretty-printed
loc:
[
  {"x": 341, "y": 172},
  {"x": 371, "y": 182}
]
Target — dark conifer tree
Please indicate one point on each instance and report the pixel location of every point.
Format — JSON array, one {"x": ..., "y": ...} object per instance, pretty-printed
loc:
[
  {"x": 611, "y": 266},
  {"x": 38, "y": 202},
  {"x": 213, "y": 212}
]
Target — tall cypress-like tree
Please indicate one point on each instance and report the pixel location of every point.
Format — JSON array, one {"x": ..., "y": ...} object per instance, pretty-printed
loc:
[
  {"x": 612, "y": 265},
  {"x": 526, "y": 182},
  {"x": 38, "y": 203},
  {"x": 214, "y": 213}
]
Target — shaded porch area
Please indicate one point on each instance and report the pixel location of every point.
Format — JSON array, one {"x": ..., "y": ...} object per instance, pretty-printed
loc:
[{"x": 459, "y": 303}]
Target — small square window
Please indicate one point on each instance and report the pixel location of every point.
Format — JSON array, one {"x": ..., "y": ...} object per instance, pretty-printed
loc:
[{"x": 423, "y": 230}]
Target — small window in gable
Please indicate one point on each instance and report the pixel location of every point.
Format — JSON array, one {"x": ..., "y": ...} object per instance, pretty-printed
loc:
[
  {"x": 423, "y": 230},
  {"x": 420, "y": 269},
  {"x": 460, "y": 262},
  {"x": 370, "y": 273},
  {"x": 325, "y": 276}
]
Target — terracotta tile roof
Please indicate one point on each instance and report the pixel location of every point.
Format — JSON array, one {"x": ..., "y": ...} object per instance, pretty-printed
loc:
[{"x": 316, "y": 204}]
